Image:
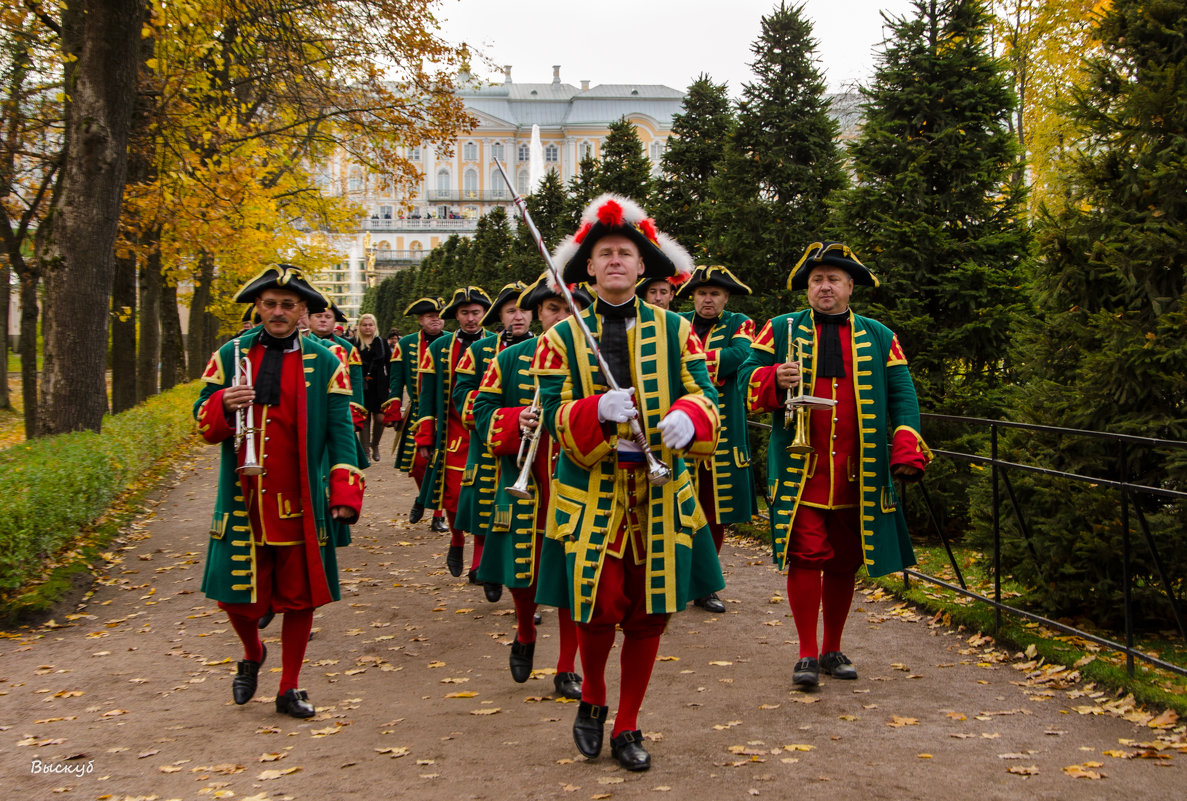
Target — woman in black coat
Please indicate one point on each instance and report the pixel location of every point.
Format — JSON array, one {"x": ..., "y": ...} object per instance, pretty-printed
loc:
[{"x": 376, "y": 357}]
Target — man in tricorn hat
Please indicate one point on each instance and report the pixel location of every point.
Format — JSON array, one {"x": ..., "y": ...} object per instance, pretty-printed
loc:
[
  {"x": 405, "y": 376},
  {"x": 270, "y": 541},
  {"x": 321, "y": 322},
  {"x": 660, "y": 291},
  {"x": 478, "y": 483},
  {"x": 724, "y": 485},
  {"x": 833, "y": 503},
  {"x": 637, "y": 547},
  {"x": 441, "y": 438},
  {"x": 504, "y": 419}
]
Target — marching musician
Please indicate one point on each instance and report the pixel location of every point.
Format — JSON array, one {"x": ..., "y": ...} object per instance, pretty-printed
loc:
[
  {"x": 405, "y": 376},
  {"x": 504, "y": 419},
  {"x": 660, "y": 291},
  {"x": 833, "y": 504},
  {"x": 724, "y": 486},
  {"x": 270, "y": 541},
  {"x": 478, "y": 482},
  {"x": 441, "y": 437},
  {"x": 635, "y": 551}
]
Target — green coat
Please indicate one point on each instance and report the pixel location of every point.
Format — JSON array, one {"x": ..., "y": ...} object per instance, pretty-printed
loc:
[
  {"x": 667, "y": 365},
  {"x": 405, "y": 378},
  {"x": 476, "y": 499},
  {"x": 885, "y": 395},
  {"x": 328, "y": 447},
  {"x": 727, "y": 347}
]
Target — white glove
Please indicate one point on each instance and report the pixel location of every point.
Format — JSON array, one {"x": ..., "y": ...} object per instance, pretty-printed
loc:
[
  {"x": 677, "y": 430},
  {"x": 617, "y": 406}
]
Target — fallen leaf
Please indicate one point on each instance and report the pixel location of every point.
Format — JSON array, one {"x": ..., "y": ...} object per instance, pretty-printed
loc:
[
  {"x": 897, "y": 722},
  {"x": 1083, "y": 771},
  {"x": 487, "y": 711},
  {"x": 1166, "y": 720},
  {"x": 265, "y": 775},
  {"x": 798, "y": 747},
  {"x": 393, "y": 751},
  {"x": 1020, "y": 770},
  {"x": 462, "y": 694},
  {"x": 721, "y": 663}
]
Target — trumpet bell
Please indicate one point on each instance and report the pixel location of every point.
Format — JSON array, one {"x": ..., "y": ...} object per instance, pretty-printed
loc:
[
  {"x": 524, "y": 493},
  {"x": 250, "y": 469}
]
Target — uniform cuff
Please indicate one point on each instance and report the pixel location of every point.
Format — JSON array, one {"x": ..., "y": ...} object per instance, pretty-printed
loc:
[
  {"x": 503, "y": 438},
  {"x": 908, "y": 448},
  {"x": 346, "y": 489},
  {"x": 212, "y": 420},
  {"x": 762, "y": 393},
  {"x": 580, "y": 433}
]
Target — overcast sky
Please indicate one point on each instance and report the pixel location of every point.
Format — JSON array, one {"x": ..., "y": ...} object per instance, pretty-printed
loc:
[{"x": 667, "y": 42}]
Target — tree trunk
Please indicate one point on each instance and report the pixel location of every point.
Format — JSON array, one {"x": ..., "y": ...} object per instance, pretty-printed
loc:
[
  {"x": 200, "y": 344},
  {"x": 29, "y": 313},
  {"x": 172, "y": 345},
  {"x": 6, "y": 283},
  {"x": 149, "y": 353},
  {"x": 102, "y": 43},
  {"x": 123, "y": 334}
]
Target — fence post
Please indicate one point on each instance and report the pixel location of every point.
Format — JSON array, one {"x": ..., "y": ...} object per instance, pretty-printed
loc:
[
  {"x": 1126, "y": 578},
  {"x": 997, "y": 534}
]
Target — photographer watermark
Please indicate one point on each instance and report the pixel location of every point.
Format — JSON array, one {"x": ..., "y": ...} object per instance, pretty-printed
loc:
[{"x": 64, "y": 767}]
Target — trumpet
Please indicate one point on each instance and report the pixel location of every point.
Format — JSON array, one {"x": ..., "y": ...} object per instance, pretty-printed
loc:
[
  {"x": 799, "y": 404},
  {"x": 528, "y": 446},
  {"x": 245, "y": 431}
]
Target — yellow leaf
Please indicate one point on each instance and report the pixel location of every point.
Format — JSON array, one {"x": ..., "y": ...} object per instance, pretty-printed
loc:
[
  {"x": 436, "y": 665},
  {"x": 487, "y": 711},
  {"x": 463, "y": 694},
  {"x": 1021, "y": 770},
  {"x": 896, "y": 721},
  {"x": 721, "y": 664},
  {"x": 924, "y": 756},
  {"x": 798, "y": 747},
  {"x": 667, "y": 659},
  {"x": 265, "y": 775}
]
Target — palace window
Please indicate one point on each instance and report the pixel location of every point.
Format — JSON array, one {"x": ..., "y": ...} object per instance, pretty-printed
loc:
[
  {"x": 443, "y": 180},
  {"x": 470, "y": 183},
  {"x": 498, "y": 187},
  {"x": 552, "y": 154},
  {"x": 521, "y": 183},
  {"x": 525, "y": 153},
  {"x": 496, "y": 151},
  {"x": 470, "y": 152}
]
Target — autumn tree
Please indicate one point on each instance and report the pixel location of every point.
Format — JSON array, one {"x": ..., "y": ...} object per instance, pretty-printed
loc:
[
  {"x": 695, "y": 151},
  {"x": 781, "y": 163}
]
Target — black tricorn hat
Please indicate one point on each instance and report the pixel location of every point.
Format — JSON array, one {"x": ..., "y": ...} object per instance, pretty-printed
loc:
[
  {"x": 318, "y": 308},
  {"x": 674, "y": 281},
  {"x": 250, "y": 315},
  {"x": 508, "y": 294},
  {"x": 713, "y": 275},
  {"x": 281, "y": 276},
  {"x": 544, "y": 288},
  {"x": 464, "y": 296},
  {"x": 424, "y": 306},
  {"x": 830, "y": 254},
  {"x": 614, "y": 214}
]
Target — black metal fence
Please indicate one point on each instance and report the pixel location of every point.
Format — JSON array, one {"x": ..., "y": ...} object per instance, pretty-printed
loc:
[{"x": 1000, "y": 471}]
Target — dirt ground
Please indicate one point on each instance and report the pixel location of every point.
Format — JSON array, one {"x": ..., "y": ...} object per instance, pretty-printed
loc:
[{"x": 129, "y": 696}]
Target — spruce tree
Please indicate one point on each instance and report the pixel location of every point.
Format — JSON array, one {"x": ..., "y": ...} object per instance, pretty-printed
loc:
[
  {"x": 548, "y": 206},
  {"x": 583, "y": 187},
  {"x": 1106, "y": 349},
  {"x": 933, "y": 211},
  {"x": 625, "y": 169},
  {"x": 694, "y": 152},
  {"x": 781, "y": 164}
]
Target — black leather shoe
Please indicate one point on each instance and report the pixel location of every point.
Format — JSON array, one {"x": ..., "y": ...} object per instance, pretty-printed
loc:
[
  {"x": 439, "y": 525},
  {"x": 243, "y": 686},
  {"x": 537, "y": 619},
  {"x": 492, "y": 591},
  {"x": 295, "y": 703},
  {"x": 806, "y": 673},
  {"x": 711, "y": 603},
  {"x": 263, "y": 622},
  {"x": 837, "y": 665},
  {"x": 522, "y": 654},
  {"x": 453, "y": 560},
  {"x": 417, "y": 512},
  {"x": 589, "y": 728},
  {"x": 568, "y": 685},
  {"x": 472, "y": 577},
  {"x": 628, "y": 749}
]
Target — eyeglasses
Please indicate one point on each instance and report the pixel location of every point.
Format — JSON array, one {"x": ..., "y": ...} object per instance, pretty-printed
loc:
[{"x": 287, "y": 305}]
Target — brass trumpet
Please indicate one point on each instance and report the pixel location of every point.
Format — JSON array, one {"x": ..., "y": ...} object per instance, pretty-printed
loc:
[
  {"x": 245, "y": 430},
  {"x": 528, "y": 446},
  {"x": 798, "y": 403}
]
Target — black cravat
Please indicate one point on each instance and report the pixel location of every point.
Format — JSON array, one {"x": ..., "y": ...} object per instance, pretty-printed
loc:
[
  {"x": 509, "y": 339},
  {"x": 831, "y": 362},
  {"x": 267, "y": 382},
  {"x": 613, "y": 343},
  {"x": 703, "y": 325},
  {"x": 467, "y": 339}
]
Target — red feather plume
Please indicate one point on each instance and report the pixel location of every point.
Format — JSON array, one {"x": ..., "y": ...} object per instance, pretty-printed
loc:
[
  {"x": 582, "y": 232},
  {"x": 679, "y": 278},
  {"x": 647, "y": 226},
  {"x": 610, "y": 214}
]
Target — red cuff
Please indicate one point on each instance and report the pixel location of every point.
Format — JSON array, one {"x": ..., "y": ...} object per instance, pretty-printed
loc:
[
  {"x": 346, "y": 489},
  {"x": 908, "y": 449},
  {"x": 503, "y": 439},
  {"x": 212, "y": 420},
  {"x": 763, "y": 393},
  {"x": 467, "y": 411},
  {"x": 391, "y": 412},
  {"x": 580, "y": 432},
  {"x": 358, "y": 415},
  {"x": 426, "y": 432}
]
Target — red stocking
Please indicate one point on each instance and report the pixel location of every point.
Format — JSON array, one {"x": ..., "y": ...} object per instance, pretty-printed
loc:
[
  {"x": 294, "y": 637},
  {"x": 836, "y": 599},
  {"x": 249, "y": 635},
  {"x": 718, "y": 532},
  {"x": 566, "y": 661},
  {"x": 638, "y": 660},
  {"x": 525, "y": 612},
  {"x": 457, "y": 537},
  {"x": 479, "y": 542},
  {"x": 595, "y": 643},
  {"x": 803, "y": 595}
]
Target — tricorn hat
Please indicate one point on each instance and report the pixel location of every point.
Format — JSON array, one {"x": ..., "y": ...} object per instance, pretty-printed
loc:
[
  {"x": 464, "y": 296},
  {"x": 830, "y": 254},
  {"x": 544, "y": 288},
  {"x": 674, "y": 281},
  {"x": 615, "y": 214},
  {"x": 250, "y": 315},
  {"x": 281, "y": 276},
  {"x": 713, "y": 275},
  {"x": 328, "y": 305},
  {"x": 508, "y": 294},
  {"x": 424, "y": 306}
]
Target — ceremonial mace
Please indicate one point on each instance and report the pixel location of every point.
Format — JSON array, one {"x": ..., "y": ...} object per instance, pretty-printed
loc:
[{"x": 658, "y": 473}]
